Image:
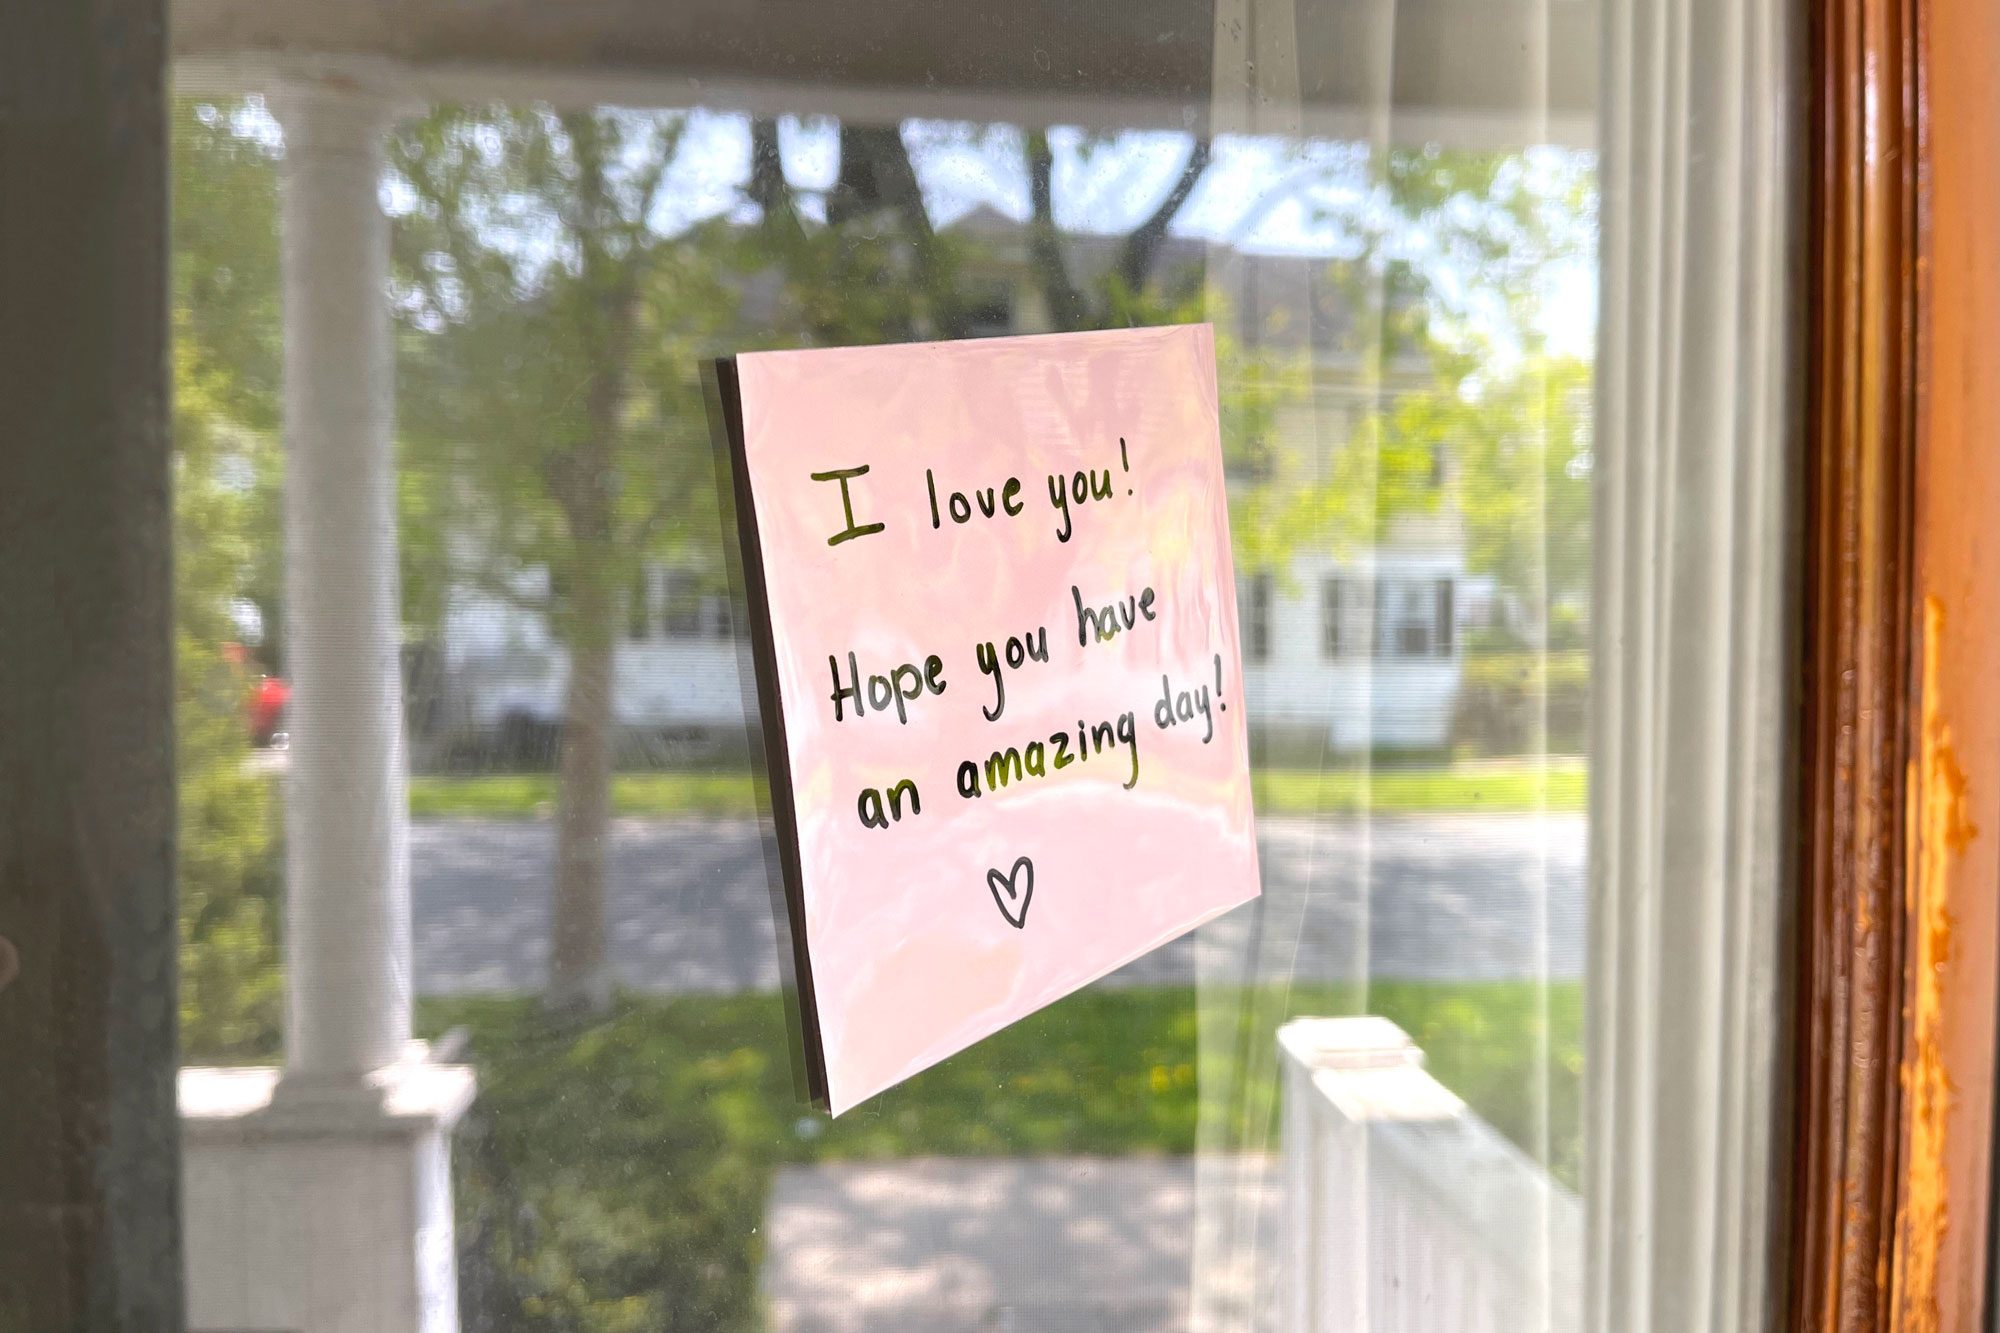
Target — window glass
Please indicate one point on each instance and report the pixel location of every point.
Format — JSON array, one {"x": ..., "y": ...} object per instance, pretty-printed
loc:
[{"x": 1401, "y": 275}]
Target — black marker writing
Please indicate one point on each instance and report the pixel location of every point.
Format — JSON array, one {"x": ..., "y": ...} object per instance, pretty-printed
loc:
[
  {"x": 902, "y": 684},
  {"x": 1020, "y": 651},
  {"x": 1065, "y": 491},
  {"x": 852, "y": 530},
  {"x": 1177, "y": 706},
  {"x": 869, "y": 804},
  {"x": 1037, "y": 759},
  {"x": 1013, "y": 891},
  {"x": 1105, "y": 622},
  {"x": 1007, "y": 501}
]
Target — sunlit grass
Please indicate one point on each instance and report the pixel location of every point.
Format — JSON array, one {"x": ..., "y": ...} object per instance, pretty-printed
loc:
[
  {"x": 624, "y": 1163},
  {"x": 527, "y": 795},
  {"x": 1499, "y": 786}
]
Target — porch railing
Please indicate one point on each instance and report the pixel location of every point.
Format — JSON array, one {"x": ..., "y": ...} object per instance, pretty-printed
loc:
[{"x": 1406, "y": 1212}]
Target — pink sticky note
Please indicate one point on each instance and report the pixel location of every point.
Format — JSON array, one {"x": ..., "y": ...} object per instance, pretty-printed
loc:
[{"x": 964, "y": 856}]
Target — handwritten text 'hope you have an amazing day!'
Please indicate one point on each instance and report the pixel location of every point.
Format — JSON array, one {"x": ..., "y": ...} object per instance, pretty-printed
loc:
[{"x": 865, "y": 692}]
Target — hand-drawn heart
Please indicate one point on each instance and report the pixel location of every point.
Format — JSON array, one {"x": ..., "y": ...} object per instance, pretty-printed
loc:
[{"x": 1017, "y": 887}]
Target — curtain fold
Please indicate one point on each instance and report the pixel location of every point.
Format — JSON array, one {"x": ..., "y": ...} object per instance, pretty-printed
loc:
[
  {"x": 1693, "y": 703},
  {"x": 1268, "y": 1258}
]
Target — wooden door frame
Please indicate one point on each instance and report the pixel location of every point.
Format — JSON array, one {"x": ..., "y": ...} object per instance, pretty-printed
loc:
[{"x": 1899, "y": 830}]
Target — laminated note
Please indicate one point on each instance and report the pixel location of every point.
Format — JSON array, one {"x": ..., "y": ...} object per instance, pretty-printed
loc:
[{"x": 994, "y": 620}]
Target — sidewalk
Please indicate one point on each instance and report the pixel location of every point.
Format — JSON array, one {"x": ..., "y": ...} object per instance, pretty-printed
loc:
[{"x": 1045, "y": 1245}]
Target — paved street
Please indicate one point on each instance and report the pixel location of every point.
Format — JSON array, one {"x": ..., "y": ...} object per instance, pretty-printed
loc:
[{"x": 1415, "y": 897}]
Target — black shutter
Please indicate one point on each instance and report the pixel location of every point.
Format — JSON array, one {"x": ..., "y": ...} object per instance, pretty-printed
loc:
[{"x": 1333, "y": 610}]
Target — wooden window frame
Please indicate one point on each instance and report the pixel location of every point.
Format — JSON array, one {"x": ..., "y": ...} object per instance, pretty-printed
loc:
[{"x": 1899, "y": 869}]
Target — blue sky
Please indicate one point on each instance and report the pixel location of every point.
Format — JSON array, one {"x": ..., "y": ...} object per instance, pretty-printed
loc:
[
  {"x": 1263, "y": 195},
  {"x": 1259, "y": 194}
]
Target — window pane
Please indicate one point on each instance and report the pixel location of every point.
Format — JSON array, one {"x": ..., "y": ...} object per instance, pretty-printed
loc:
[{"x": 1403, "y": 294}]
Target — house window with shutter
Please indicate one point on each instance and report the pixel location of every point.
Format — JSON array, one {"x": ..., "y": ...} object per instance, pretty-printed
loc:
[
  {"x": 682, "y": 616},
  {"x": 1257, "y": 618},
  {"x": 639, "y": 615},
  {"x": 1444, "y": 637}
]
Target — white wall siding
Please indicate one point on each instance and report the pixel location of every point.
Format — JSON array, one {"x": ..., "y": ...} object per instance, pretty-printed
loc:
[
  {"x": 1360, "y": 699},
  {"x": 501, "y": 664}
]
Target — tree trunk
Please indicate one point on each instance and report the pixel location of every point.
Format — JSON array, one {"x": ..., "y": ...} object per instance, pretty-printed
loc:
[
  {"x": 579, "y": 972},
  {"x": 1142, "y": 244},
  {"x": 876, "y": 173},
  {"x": 1067, "y": 309},
  {"x": 585, "y": 483},
  {"x": 1068, "y": 306}
]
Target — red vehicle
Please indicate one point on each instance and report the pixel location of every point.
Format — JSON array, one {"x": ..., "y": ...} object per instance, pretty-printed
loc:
[
  {"x": 266, "y": 708},
  {"x": 264, "y": 704}
]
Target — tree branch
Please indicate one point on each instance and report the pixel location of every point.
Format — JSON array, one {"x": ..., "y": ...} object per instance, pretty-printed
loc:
[
  {"x": 1067, "y": 308},
  {"x": 894, "y": 185},
  {"x": 653, "y": 186},
  {"x": 440, "y": 180},
  {"x": 1142, "y": 244},
  {"x": 768, "y": 188}
]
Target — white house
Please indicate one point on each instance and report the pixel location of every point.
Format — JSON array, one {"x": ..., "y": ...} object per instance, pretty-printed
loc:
[
  {"x": 1355, "y": 650},
  {"x": 1364, "y": 651},
  {"x": 1327, "y": 644}
]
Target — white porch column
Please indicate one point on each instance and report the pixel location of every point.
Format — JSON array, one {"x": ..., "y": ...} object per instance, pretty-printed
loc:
[
  {"x": 348, "y": 924},
  {"x": 319, "y": 1197}
]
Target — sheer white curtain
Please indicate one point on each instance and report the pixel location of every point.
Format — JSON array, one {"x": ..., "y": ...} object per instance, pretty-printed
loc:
[
  {"x": 1245, "y": 968},
  {"x": 1690, "y": 801},
  {"x": 1400, "y": 1207},
  {"x": 1383, "y": 1187}
]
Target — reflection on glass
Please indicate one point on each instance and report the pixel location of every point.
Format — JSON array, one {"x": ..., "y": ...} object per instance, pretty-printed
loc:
[{"x": 1404, "y": 332}]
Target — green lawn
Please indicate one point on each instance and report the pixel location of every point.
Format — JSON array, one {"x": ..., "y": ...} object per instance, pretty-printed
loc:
[
  {"x": 1496, "y": 786},
  {"x": 523, "y": 795},
  {"x": 612, "y": 1176}
]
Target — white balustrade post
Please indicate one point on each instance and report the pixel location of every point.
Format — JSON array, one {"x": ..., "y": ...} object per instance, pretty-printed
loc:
[
  {"x": 1327, "y": 1264},
  {"x": 348, "y": 919},
  {"x": 1406, "y": 1212}
]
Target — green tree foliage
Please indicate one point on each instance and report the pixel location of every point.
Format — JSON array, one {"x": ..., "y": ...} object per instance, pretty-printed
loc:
[
  {"x": 228, "y": 320},
  {"x": 874, "y": 269},
  {"x": 554, "y": 433},
  {"x": 1455, "y": 249},
  {"x": 1439, "y": 280},
  {"x": 227, "y": 355},
  {"x": 230, "y": 985},
  {"x": 606, "y": 1182},
  {"x": 1520, "y": 465},
  {"x": 1441, "y": 248},
  {"x": 226, "y": 366}
]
